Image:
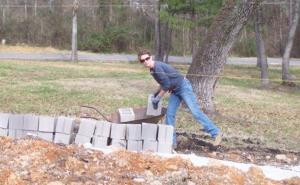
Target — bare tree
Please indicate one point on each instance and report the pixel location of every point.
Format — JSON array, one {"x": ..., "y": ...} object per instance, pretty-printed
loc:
[
  {"x": 158, "y": 40},
  {"x": 261, "y": 52},
  {"x": 209, "y": 60},
  {"x": 74, "y": 56},
  {"x": 286, "y": 79}
]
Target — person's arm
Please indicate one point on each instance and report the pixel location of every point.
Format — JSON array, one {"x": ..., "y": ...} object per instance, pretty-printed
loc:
[{"x": 161, "y": 93}]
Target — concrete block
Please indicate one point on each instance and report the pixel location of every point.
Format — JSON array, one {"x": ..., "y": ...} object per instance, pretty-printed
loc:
[
  {"x": 16, "y": 121},
  {"x": 126, "y": 114},
  {"x": 48, "y": 136},
  {"x": 164, "y": 147},
  {"x": 63, "y": 138},
  {"x": 46, "y": 124},
  {"x": 150, "y": 110},
  {"x": 31, "y": 122},
  {"x": 87, "y": 127},
  {"x": 64, "y": 125},
  {"x": 121, "y": 143},
  {"x": 135, "y": 145},
  {"x": 4, "y": 120},
  {"x": 165, "y": 133},
  {"x": 17, "y": 134},
  {"x": 3, "y": 132},
  {"x": 150, "y": 146},
  {"x": 79, "y": 139},
  {"x": 100, "y": 142},
  {"x": 134, "y": 132},
  {"x": 103, "y": 129},
  {"x": 149, "y": 131},
  {"x": 118, "y": 131}
]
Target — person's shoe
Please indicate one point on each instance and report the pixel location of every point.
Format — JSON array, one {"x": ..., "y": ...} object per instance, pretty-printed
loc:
[{"x": 218, "y": 139}]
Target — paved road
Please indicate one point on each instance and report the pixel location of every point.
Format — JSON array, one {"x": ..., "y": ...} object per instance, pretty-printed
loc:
[{"x": 84, "y": 56}]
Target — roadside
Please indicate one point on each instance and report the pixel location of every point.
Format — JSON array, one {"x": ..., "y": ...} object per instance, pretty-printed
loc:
[{"x": 57, "y": 55}]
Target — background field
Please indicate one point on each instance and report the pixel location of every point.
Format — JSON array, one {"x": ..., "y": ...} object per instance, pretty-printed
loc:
[{"x": 268, "y": 117}]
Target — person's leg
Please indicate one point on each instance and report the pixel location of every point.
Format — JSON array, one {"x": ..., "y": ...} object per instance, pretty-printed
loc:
[
  {"x": 189, "y": 98},
  {"x": 174, "y": 102}
]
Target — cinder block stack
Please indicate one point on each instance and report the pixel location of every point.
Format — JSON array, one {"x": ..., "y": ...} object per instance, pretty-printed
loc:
[
  {"x": 64, "y": 130},
  {"x": 16, "y": 124},
  {"x": 46, "y": 128},
  {"x": 118, "y": 135},
  {"x": 4, "y": 124},
  {"x": 134, "y": 137},
  {"x": 102, "y": 133},
  {"x": 86, "y": 131},
  {"x": 149, "y": 135}
]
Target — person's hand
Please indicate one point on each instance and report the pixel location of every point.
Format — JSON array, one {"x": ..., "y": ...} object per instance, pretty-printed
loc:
[{"x": 155, "y": 100}]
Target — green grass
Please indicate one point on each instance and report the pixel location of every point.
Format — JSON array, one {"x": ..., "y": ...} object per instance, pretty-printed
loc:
[{"x": 244, "y": 109}]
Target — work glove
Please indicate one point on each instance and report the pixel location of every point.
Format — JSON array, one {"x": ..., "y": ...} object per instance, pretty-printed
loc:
[{"x": 155, "y": 100}]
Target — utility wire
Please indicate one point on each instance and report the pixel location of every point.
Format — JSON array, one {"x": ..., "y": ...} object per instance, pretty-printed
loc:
[{"x": 232, "y": 77}]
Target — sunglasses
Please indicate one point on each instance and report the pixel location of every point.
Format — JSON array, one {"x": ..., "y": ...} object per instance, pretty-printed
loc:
[{"x": 143, "y": 60}]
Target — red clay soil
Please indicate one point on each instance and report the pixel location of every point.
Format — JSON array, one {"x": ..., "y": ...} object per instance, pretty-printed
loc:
[{"x": 33, "y": 161}]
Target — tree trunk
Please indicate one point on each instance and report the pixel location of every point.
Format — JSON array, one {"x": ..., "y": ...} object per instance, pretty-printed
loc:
[
  {"x": 35, "y": 8},
  {"x": 158, "y": 43},
  {"x": 210, "y": 59},
  {"x": 257, "y": 42},
  {"x": 74, "y": 55},
  {"x": 287, "y": 52},
  {"x": 168, "y": 41},
  {"x": 110, "y": 16},
  {"x": 261, "y": 52}
]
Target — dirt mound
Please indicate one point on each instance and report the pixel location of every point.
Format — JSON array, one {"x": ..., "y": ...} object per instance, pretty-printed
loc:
[{"x": 34, "y": 161}]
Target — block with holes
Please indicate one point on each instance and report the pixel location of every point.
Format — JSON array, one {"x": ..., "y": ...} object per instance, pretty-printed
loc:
[
  {"x": 126, "y": 114},
  {"x": 150, "y": 109}
]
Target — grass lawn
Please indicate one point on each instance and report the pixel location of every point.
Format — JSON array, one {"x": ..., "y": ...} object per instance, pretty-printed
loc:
[{"x": 244, "y": 110}]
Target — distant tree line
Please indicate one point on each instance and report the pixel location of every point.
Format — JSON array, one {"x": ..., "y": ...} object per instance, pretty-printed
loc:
[{"x": 125, "y": 26}]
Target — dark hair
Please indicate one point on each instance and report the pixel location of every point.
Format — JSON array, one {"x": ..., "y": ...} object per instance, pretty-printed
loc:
[{"x": 143, "y": 52}]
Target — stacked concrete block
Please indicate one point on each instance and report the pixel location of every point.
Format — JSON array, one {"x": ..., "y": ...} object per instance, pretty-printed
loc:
[
  {"x": 150, "y": 109},
  {"x": 64, "y": 130},
  {"x": 134, "y": 137},
  {"x": 46, "y": 128},
  {"x": 165, "y": 138},
  {"x": 126, "y": 114},
  {"x": 102, "y": 133},
  {"x": 100, "y": 142},
  {"x": 118, "y": 135},
  {"x": 135, "y": 145},
  {"x": 31, "y": 125},
  {"x": 120, "y": 143},
  {"x": 149, "y": 137},
  {"x": 16, "y": 124},
  {"x": 86, "y": 131},
  {"x": 4, "y": 124},
  {"x": 103, "y": 129}
]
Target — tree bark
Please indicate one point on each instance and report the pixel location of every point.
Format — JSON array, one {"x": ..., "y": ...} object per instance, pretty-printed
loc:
[
  {"x": 290, "y": 40},
  {"x": 74, "y": 55},
  {"x": 210, "y": 59},
  {"x": 261, "y": 52}
]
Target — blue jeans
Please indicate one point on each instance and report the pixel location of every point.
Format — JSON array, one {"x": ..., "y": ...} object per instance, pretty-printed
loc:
[{"x": 185, "y": 93}]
